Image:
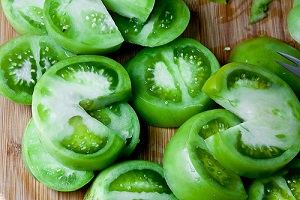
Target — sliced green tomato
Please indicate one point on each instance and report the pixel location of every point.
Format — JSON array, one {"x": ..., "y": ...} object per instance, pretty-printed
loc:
[
  {"x": 167, "y": 21},
  {"x": 47, "y": 170},
  {"x": 167, "y": 81},
  {"x": 259, "y": 10},
  {"x": 133, "y": 179},
  {"x": 23, "y": 60},
  {"x": 82, "y": 26},
  {"x": 268, "y": 138},
  {"x": 283, "y": 185},
  {"x": 262, "y": 51},
  {"x": 294, "y": 22},
  {"x": 25, "y": 16},
  {"x": 137, "y": 9},
  {"x": 190, "y": 169},
  {"x": 61, "y": 100}
]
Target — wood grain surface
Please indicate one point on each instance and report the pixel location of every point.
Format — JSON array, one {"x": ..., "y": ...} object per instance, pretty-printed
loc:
[{"x": 216, "y": 26}]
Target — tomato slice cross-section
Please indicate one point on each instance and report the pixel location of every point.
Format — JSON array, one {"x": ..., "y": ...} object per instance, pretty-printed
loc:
[{"x": 78, "y": 107}]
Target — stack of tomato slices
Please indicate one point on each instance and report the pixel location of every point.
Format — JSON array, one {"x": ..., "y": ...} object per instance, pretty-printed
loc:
[{"x": 237, "y": 122}]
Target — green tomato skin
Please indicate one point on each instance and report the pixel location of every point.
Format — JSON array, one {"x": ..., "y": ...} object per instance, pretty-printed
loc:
[
  {"x": 294, "y": 22},
  {"x": 131, "y": 179},
  {"x": 188, "y": 172},
  {"x": 165, "y": 64},
  {"x": 262, "y": 51},
  {"x": 267, "y": 105},
  {"x": 47, "y": 170},
  {"x": 60, "y": 101}
]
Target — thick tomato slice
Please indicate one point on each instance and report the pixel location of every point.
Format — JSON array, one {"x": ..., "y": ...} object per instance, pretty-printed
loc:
[
  {"x": 269, "y": 136},
  {"x": 83, "y": 27},
  {"x": 79, "y": 106},
  {"x": 167, "y": 81}
]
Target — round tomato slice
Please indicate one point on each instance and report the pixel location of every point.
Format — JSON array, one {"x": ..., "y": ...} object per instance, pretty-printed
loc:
[
  {"x": 83, "y": 27},
  {"x": 138, "y": 9},
  {"x": 190, "y": 169},
  {"x": 23, "y": 60},
  {"x": 25, "y": 16},
  {"x": 47, "y": 170},
  {"x": 167, "y": 81},
  {"x": 63, "y": 102},
  {"x": 166, "y": 22},
  {"x": 132, "y": 179},
  {"x": 268, "y": 137}
]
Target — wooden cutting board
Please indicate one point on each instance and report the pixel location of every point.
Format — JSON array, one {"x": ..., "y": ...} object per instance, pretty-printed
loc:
[{"x": 216, "y": 26}]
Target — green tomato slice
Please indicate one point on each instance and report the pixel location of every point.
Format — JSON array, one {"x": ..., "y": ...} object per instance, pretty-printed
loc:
[
  {"x": 138, "y": 9},
  {"x": 83, "y": 27},
  {"x": 62, "y": 100},
  {"x": 167, "y": 81},
  {"x": 46, "y": 169},
  {"x": 23, "y": 60},
  {"x": 167, "y": 21},
  {"x": 132, "y": 179},
  {"x": 268, "y": 137},
  {"x": 262, "y": 51},
  {"x": 190, "y": 169},
  {"x": 25, "y": 16}
]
